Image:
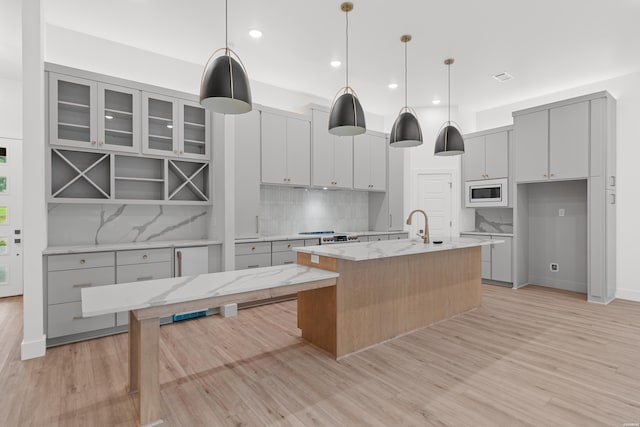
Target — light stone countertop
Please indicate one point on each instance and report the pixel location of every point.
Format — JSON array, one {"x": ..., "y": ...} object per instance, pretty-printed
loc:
[
  {"x": 486, "y": 233},
  {"x": 137, "y": 295},
  {"x": 107, "y": 247},
  {"x": 390, "y": 248}
]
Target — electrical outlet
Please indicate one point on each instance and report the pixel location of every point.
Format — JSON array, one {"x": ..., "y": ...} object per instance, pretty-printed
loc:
[
  {"x": 560, "y": 212},
  {"x": 554, "y": 267}
]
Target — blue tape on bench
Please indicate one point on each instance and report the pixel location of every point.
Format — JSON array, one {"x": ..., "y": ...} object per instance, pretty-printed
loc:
[{"x": 187, "y": 316}]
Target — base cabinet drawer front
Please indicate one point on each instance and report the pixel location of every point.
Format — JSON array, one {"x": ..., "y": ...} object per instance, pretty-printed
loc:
[
  {"x": 140, "y": 272},
  {"x": 253, "y": 248},
  {"x": 253, "y": 261},
  {"x": 66, "y": 319},
  {"x": 80, "y": 261},
  {"x": 64, "y": 286},
  {"x": 285, "y": 245},
  {"x": 399, "y": 236},
  {"x": 282, "y": 258},
  {"x": 363, "y": 238},
  {"x": 144, "y": 256},
  {"x": 311, "y": 242},
  {"x": 378, "y": 237}
]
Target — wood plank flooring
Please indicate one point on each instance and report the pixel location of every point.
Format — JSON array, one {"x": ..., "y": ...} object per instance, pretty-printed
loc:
[{"x": 528, "y": 357}]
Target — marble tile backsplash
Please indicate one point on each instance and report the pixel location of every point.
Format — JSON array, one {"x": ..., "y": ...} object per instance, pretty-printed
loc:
[
  {"x": 286, "y": 210},
  {"x": 71, "y": 224},
  {"x": 494, "y": 220}
]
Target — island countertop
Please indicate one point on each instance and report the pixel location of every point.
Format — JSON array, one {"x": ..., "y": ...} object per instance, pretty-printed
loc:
[{"x": 390, "y": 248}]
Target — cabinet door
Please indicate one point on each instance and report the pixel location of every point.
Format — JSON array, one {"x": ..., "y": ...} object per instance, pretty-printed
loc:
[
  {"x": 395, "y": 192},
  {"x": 298, "y": 152},
  {"x": 569, "y": 141},
  {"x": 322, "y": 145},
  {"x": 195, "y": 131},
  {"x": 486, "y": 259},
  {"x": 72, "y": 111},
  {"x": 496, "y": 148},
  {"x": 501, "y": 260},
  {"x": 247, "y": 173},
  {"x": 343, "y": 161},
  {"x": 532, "y": 146},
  {"x": 159, "y": 125},
  {"x": 378, "y": 158},
  {"x": 474, "y": 159},
  {"x": 361, "y": 162},
  {"x": 274, "y": 148},
  {"x": 118, "y": 118}
]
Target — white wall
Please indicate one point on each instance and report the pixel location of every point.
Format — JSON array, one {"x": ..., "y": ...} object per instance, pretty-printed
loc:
[
  {"x": 11, "y": 107},
  {"x": 626, "y": 90}
]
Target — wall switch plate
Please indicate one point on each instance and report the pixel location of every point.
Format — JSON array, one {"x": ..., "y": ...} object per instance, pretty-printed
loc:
[
  {"x": 315, "y": 259},
  {"x": 560, "y": 212},
  {"x": 554, "y": 267}
]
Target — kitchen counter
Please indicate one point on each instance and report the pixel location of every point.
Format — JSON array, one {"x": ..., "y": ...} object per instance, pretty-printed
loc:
[
  {"x": 58, "y": 250},
  {"x": 311, "y": 236},
  {"x": 487, "y": 233},
  {"x": 390, "y": 248}
]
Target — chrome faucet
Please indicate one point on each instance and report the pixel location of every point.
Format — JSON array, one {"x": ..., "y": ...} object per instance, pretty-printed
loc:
[{"x": 425, "y": 236}]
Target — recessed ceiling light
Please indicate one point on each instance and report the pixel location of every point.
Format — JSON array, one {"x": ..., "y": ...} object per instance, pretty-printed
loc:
[
  {"x": 435, "y": 102},
  {"x": 335, "y": 63},
  {"x": 170, "y": 126},
  {"x": 502, "y": 77},
  {"x": 256, "y": 34},
  {"x": 108, "y": 116},
  {"x": 324, "y": 188},
  {"x": 393, "y": 85}
]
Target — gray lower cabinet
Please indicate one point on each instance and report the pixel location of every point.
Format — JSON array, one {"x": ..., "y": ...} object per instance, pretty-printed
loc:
[
  {"x": 398, "y": 236},
  {"x": 377, "y": 237},
  {"x": 496, "y": 258},
  {"x": 66, "y": 276},
  {"x": 282, "y": 253},
  {"x": 253, "y": 255}
]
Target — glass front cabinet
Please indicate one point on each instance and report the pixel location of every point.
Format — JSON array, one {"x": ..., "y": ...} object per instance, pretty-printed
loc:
[{"x": 88, "y": 114}]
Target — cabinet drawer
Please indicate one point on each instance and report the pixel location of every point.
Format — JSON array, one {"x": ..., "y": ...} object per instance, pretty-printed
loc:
[
  {"x": 399, "y": 236},
  {"x": 139, "y": 272},
  {"x": 282, "y": 258},
  {"x": 253, "y": 248},
  {"x": 143, "y": 256},
  {"x": 66, "y": 319},
  {"x": 77, "y": 261},
  {"x": 252, "y": 261},
  {"x": 64, "y": 286},
  {"x": 378, "y": 237},
  {"x": 286, "y": 245},
  {"x": 311, "y": 242}
]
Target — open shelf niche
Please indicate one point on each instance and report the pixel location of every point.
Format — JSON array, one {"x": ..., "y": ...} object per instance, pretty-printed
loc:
[{"x": 138, "y": 178}]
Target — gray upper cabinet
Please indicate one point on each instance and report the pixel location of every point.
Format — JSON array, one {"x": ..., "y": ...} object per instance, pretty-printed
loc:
[
  {"x": 386, "y": 209},
  {"x": 195, "y": 131},
  {"x": 331, "y": 156},
  {"x": 370, "y": 162},
  {"x": 89, "y": 114},
  {"x": 286, "y": 149},
  {"x": 569, "y": 141},
  {"x": 247, "y": 173},
  {"x": 553, "y": 143},
  {"x": 486, "y": 155},
  {"x": 532, "y": 146}
]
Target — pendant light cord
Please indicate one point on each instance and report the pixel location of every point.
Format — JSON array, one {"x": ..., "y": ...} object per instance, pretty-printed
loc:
[
  {"x": 449, "y": 66},
  {"x": 347, "y": 39},
  {"x": 406, "y": 103},
  {"x": 226, "y": 26}
]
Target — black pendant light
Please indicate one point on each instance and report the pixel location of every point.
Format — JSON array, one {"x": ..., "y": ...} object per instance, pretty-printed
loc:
[
  {"x": 346, "y": 117},
  {"x": 224, "y": 87},
  {"x": 449, "y": 141},
  {"x": 406, "y": 130}
]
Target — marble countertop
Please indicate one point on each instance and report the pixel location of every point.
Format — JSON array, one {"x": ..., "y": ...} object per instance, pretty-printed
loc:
[
  {"x": 310, "y": 236},
  {"x": 137, "y": 295},
  {"x": 486, "y": 233},
  {"x": 390, "y": 248},
  {"x": 58, "y": 250}
]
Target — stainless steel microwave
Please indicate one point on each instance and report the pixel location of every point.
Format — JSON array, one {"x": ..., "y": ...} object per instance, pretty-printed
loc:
[{"x": 487, "y": 193}]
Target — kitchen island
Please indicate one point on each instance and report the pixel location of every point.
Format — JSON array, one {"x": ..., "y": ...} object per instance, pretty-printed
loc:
[{"x": 387, "y": 289}]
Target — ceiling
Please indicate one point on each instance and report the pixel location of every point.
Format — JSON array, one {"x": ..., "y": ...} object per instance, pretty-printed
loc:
[{"x": 547, "y": 45}]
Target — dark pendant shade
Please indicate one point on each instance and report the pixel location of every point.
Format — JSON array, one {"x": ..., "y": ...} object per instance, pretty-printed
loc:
[
  {"x": 449, "y": 142},
  {"x": 347, "y": 117},
  {"x": 406, "y": 131},
  {"x": 225, "y": 87}
]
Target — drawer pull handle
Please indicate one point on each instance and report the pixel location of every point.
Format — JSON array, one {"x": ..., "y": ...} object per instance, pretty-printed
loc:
[
  {"x": 82, "y": 285},
  {"x": 77, "y": 318},
  {"x": 289, "y": 246},
  {"x": 253, "y": 248},
  {"x": 288, "y": 262},
  {"x": 254, "y": 266},
  {"x": 145, "y": 257},
  {"x": 144, "y": 278},
  {"x": 82, "y": 261}
]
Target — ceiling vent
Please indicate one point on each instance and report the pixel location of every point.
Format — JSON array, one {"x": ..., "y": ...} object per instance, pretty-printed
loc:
[{"x": 502, "y": 77}]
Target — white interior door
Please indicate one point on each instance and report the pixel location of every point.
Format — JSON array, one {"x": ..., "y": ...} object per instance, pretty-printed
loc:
[
  {"x": 434, "y": 197},
  {"x": 10, "y": 217}
]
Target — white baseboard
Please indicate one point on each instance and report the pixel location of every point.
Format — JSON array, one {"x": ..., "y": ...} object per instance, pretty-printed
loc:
[
  {"x": 628, "y": 294},
  {"x": 34, "y": 348},
  {"x": 567, "y": 285}
]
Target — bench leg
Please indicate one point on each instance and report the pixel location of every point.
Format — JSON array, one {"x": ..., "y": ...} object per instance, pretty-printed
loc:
[{"x": 144, "y": 361}]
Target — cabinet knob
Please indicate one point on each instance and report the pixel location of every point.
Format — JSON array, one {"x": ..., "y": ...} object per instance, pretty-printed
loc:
[
  {"x": 101, "y": 143},
  {"x": 253, "y": 248},
  {"x": 145, "y": 257},
  {"x": 545, "y": 175},
  {"x": 181, "y": 152},
  {"x": 175, "y": 151},
  {"x": 553, "y": 174},
  {"x": 93, "y": 143},
  {"x": 82, "y": 261},
  {"x": 289, "y": 246}
]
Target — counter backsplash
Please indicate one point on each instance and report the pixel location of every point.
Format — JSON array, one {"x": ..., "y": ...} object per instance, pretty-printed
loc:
[
  {"x": 494, "y": 220},
  {"x": 286, "y": 210},
  {"x": 71, "y": 224}
]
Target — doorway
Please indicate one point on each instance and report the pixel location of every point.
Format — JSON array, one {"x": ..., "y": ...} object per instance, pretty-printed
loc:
[
  {"x": 10, "y": 217},
  {"x": 433, "y": 194}
]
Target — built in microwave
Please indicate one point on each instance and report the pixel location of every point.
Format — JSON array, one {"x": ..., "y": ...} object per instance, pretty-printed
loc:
[{"x": 487, "y": 193}]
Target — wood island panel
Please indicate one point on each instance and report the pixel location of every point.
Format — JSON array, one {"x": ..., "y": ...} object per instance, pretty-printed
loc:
[{"x": 376, "y": 300}]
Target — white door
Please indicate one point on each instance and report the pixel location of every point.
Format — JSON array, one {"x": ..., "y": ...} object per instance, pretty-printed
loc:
[
  {"x": 10, "y": 217},
  {"x": 434, "y": 197}
]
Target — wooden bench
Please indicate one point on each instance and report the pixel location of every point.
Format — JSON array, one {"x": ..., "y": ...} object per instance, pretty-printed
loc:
[{"x": 147, "y": 301}]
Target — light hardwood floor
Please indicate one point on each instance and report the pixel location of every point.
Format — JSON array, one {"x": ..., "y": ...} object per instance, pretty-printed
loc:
[{"x": 534, "y": 357}]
